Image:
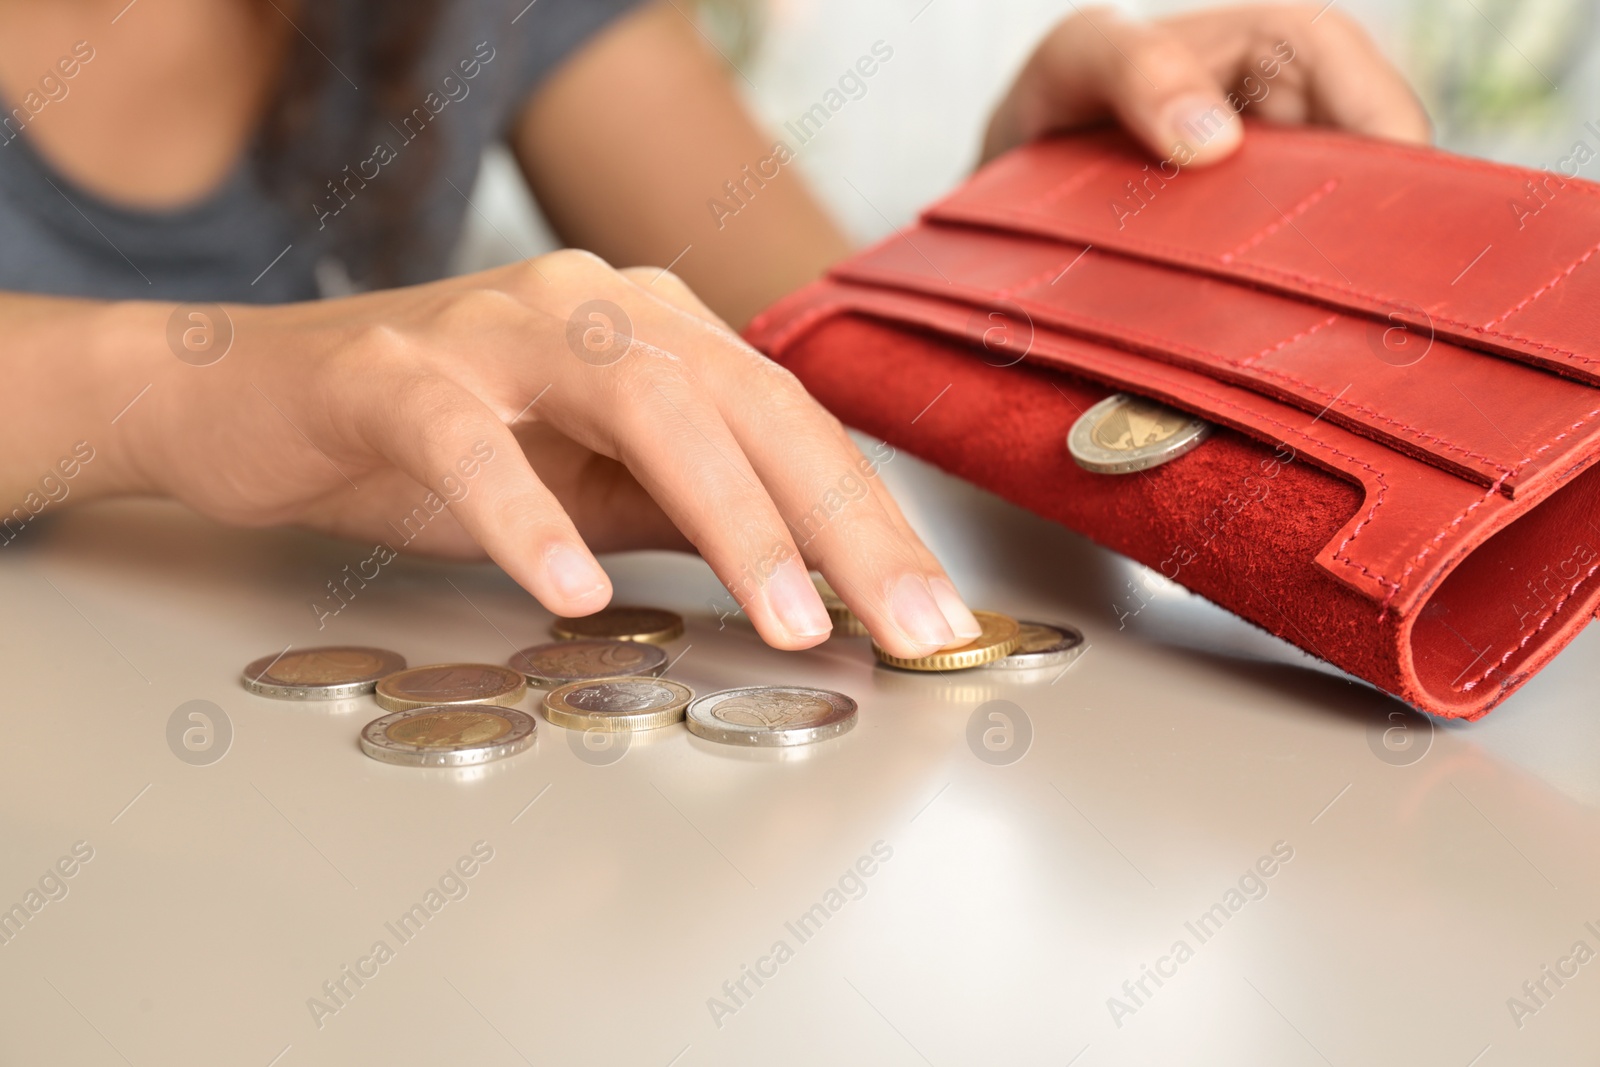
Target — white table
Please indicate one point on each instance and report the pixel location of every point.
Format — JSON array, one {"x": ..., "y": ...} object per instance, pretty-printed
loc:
[{"x": 1017, "y": 897}]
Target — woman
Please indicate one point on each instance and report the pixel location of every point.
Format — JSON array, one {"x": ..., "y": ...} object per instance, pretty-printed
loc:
[{"x": 256, "y": 155}]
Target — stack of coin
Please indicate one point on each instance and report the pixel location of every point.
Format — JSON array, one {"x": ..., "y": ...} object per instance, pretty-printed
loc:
[
  {"x": 771, "y": 715},
  {"x": 999, "y": 637},
  {"x": 329, "y": 673},
  {"x": 652, "y": 625},
  {"x": 585, "y": 659},
  {"x": 845, "y": 622},
  {"x": 602, "y": 675},
  {"x": 617, "y": 705},
  {"x": 448, "y": 737},
  {"x": 450, "y": 684}
]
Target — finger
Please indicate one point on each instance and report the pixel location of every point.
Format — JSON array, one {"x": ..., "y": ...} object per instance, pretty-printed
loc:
[
  {"x": 952, "y": 603},
  {"x": 1148, "y": 78},
  {"x": 1307, "y": 63},
  {"x": 1351, "y": 85},
  {"x": 609, "y": 507},
  {"x": 660, "y": 424},
  {"x": 825, "y": 488},
  {"x": 446, "y": 439}
]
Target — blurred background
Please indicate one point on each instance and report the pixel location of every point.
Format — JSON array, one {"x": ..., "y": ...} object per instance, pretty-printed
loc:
[{"x": 1512, "y": 80}]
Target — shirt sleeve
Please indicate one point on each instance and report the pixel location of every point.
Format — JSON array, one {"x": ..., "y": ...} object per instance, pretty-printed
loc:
[{"x": 545, "y": 33}]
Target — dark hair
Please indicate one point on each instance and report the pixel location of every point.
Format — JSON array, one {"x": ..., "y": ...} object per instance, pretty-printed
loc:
[{"x": 376, "y": 45}]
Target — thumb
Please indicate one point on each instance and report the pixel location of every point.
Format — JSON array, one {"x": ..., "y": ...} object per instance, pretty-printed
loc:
[{"x": 1159, "y": 89}]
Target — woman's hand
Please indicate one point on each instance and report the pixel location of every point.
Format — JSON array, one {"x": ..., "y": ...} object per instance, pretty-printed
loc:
[
  {"x": 548, "y": 404},
  {"x": 1174, "y": 83}
]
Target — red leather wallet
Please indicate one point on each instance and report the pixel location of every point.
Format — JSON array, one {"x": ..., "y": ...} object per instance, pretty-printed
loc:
[{"x": 1400, "y": 350}]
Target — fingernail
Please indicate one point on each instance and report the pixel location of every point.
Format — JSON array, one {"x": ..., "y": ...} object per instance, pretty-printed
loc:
[
  {"x": 1204, "y": 125},
  {"x": 574, "y": 573},
  {"x": 917, "y": 613},
  {"x": 795, "y": 601},
  {"x": 955, "y": 610}
]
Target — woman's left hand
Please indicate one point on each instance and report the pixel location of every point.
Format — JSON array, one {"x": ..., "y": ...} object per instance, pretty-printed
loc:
[{"x": 1179, "y": 84}]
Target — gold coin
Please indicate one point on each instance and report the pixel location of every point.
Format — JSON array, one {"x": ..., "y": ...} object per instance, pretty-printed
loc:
[
  {"x": 998, "y": 639},
  {"x": 622, "y": 624},
  {"x": 845, "y": 622},
  {"x": 451, "y": 683}
]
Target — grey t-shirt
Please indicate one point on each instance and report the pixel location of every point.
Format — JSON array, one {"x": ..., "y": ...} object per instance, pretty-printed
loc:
[{"x": 244, "y": 243}]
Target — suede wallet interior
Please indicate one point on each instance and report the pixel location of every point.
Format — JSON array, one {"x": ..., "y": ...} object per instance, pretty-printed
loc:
[{"x": 1399, "y": 350}]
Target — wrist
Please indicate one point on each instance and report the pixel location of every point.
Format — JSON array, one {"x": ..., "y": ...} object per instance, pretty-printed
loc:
[{"x": 131, "y": 376}]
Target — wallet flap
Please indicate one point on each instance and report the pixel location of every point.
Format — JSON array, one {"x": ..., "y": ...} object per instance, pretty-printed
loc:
[
  {"x": 1415, "y": 519},
  {"x": 1432, "y": 401},
  {"x": 1489, "y": 256}
]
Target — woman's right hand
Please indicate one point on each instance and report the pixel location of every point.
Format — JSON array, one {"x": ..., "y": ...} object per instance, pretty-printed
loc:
[{"x": 613, "y": 407}]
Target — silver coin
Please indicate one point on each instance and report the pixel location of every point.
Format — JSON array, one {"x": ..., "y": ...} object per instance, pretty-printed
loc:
[
  {"x": 770, "y": 715},
  {"x": 560, "y": 662},
  {"x": 1043, "y": 645},
  {"x": 327, "y": 673},
  {"x": 616, "y": 704},
  {"x": 455, "y": 736},
  {"x": 1123, "y": 434}
]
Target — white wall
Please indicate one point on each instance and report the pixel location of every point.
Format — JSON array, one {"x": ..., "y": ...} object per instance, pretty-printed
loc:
[{"x": 1481, "y": 65}]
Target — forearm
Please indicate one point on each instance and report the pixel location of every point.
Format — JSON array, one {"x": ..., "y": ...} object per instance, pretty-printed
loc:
[
  {"x": 630, "y": 148},
  {"x": 71, "y": 367}
]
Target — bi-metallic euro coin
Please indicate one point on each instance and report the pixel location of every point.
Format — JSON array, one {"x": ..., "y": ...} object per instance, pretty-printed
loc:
[
  {"x": 1042, "y": 645},
  {"x": 329, "y": 673},
  {"x": 1123, "y": 434},
  {"x": 448, "y": 737},
  {"x": 771, "y": 715},
  {"x": 451, "y": 683},
  {"x": 618, "y": 704},
  {"x": 652, "y": 625},
  {"x": 585, "y": 659}
]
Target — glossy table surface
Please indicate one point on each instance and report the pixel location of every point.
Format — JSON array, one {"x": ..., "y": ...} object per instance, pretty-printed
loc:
[{"x": 938, "y": 886}]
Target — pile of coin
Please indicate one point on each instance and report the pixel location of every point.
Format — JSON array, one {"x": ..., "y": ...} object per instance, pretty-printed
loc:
[{"x": 603, "y": 672}]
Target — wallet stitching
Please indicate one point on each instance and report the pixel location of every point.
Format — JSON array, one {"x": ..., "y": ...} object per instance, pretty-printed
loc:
[
  {"x": 1207, "y": 259},
  {"x": 1249, "y": 365},
  {"x": 1286, "y": 342},
  {"x": 1432, "y": 158},
  {"x": 1554, "y": 610},
  {"x": 1079, "y": 179},
  {"x": 1537, "y": 293},
  {"x": 1282, "y": 220},
  {"x": 1051, "y": 272}
]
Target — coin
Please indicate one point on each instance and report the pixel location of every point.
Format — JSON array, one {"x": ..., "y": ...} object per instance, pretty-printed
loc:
[
  {"x": 771, "y": 715},
  {"x": 652, "y": 625},
  {"x": 329, "y": 673},
  {"x": 451, "y": 683},
  {"x": 1123, "y": 434},
  {"x": 616, "y": 704},
  {"x": 584, "y": 659},
  {"x": 1042, "y": 645},
  {"x": 447, "y": 736},
  {"x": 998, "y": 639},
  {"x": 845, "y": 622}
]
